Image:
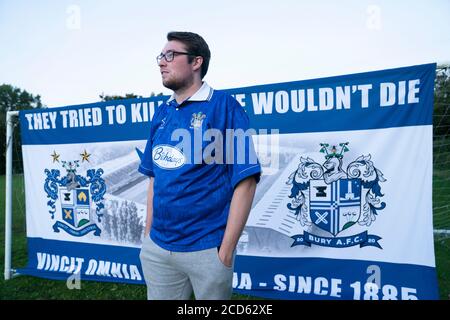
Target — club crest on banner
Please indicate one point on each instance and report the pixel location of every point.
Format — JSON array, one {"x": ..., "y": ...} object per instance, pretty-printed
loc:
[
  {"x": 335, "y": 199},
  {"x": 75, "y": 200}
]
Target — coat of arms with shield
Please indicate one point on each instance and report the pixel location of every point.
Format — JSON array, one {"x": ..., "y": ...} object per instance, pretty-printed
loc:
[
  {"x": 333, "y": 199},
  {"x": 336, "y": 206},
  {"x": 80, "y": 198},
  {"x": 75, "y": 206}
]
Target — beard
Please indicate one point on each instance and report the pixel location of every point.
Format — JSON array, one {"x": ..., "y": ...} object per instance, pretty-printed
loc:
[
  {"x": 176, "y": 84},
  {"x": 172, "y": 84}
]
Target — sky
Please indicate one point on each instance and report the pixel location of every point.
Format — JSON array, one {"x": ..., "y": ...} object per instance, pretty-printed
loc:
[{"x": 70, "y": 52}]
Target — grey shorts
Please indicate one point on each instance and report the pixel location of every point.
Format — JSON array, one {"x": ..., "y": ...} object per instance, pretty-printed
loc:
[{"x": 175, "y": 275}]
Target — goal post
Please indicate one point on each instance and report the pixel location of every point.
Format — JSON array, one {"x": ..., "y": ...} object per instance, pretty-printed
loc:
[{"x": 11, "y": 116}]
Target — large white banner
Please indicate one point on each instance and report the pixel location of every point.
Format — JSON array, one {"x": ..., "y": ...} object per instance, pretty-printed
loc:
[{"x": 343, "y": 209}]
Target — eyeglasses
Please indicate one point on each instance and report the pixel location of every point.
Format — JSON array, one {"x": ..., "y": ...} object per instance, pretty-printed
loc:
[{"x": 170, "y": 55}]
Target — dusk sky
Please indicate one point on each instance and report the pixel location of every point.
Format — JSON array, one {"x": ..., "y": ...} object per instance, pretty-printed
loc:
[{"x": 70, "y": 52}]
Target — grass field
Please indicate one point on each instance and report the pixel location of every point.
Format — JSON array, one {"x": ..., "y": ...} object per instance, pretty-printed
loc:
[{"x": 26, "y": 287}]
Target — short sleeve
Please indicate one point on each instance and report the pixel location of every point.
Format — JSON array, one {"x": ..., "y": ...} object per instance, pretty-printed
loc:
[
  {"x": 146, "y": 165},
  {"x": 241, "y": 157}
]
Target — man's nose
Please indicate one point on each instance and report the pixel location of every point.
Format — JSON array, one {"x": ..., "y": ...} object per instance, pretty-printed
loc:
[{"x": 162, "y": 62}]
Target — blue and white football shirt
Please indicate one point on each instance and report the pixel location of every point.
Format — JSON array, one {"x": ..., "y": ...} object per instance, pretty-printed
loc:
[{"x": 196, "y": 164}]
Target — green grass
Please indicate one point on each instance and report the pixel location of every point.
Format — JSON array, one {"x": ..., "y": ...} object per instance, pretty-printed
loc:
[
  {"x": 441, "y": 199},
  {"x": 26, "y": 287},
  {"x": 442, "y": 252}
]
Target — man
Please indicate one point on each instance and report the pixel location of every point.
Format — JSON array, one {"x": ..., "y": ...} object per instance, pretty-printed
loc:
[{"x": 199, "y": 197}]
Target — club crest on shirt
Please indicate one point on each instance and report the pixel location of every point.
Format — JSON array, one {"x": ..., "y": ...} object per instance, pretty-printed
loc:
[
  {"x": 197, "y": 120},
  {"x": 332, "y": 199},
  {"x": 75, "y": 199}
]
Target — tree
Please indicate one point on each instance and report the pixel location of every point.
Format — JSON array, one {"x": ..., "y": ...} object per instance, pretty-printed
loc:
[
  {"x": 13, "y": 98},
  {"x": 441, "y": 119},
  {"x": 442, "y": 85}
]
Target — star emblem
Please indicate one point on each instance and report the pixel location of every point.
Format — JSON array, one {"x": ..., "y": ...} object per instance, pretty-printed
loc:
[
  {"x": 55, "y": 156},
  {"x": 85, "y": 156}
]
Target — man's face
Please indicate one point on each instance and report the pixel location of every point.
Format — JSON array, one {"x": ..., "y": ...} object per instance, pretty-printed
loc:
[{"x": 179, "y": 72}]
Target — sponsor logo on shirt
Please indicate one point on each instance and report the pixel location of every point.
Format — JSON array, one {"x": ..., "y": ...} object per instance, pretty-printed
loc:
[{"x": 168, "y": 157}]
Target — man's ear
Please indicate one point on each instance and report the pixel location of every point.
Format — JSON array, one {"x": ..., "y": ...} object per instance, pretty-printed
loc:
[{"x": 197, "y": 63}]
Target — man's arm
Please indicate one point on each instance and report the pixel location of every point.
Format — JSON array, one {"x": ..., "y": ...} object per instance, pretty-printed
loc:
[
  {"x": 149, "y": 219},
  {"x": 241, "y": 204}
]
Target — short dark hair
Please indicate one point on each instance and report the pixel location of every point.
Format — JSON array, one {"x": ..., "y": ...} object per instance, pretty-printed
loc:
[{"x": 195, "y": 45}]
